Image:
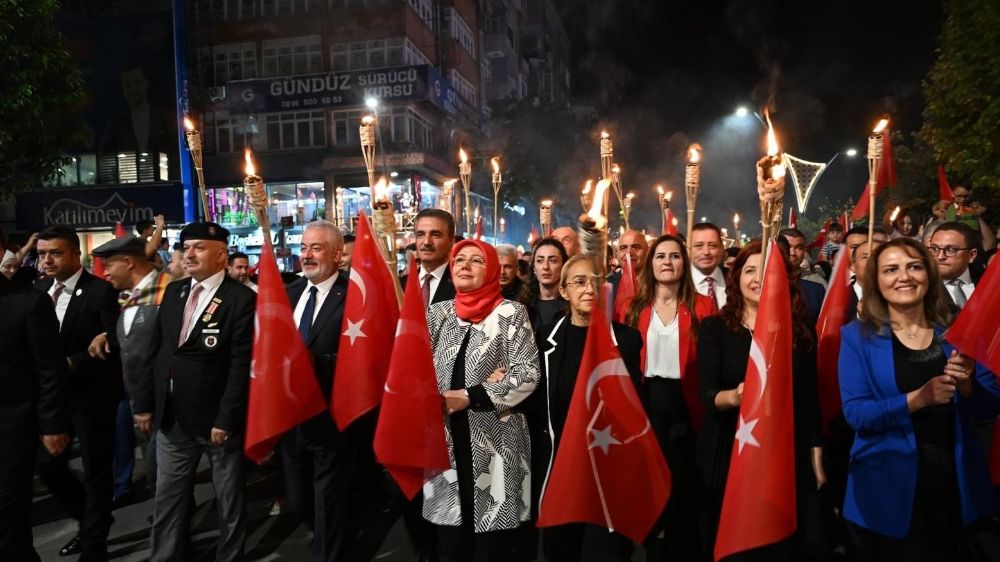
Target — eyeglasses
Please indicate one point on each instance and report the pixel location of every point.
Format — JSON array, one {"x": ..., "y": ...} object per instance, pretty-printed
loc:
[
  {"x": 949, "y": 251},
  {"x": 580, "y": 283},
  {"x": 474, "y": 261}
]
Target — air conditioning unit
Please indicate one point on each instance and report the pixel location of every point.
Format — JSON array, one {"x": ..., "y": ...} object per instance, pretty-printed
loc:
[{"x": 217, "y": 93}]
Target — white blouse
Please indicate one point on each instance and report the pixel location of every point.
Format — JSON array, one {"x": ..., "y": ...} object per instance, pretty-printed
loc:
[{"x": 663, "y": 348}]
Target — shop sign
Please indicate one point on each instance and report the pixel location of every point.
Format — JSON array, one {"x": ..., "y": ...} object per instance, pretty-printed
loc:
[{"x": 99, "y": 207}]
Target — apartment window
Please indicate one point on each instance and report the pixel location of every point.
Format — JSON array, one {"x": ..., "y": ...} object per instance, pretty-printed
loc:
[
  {"x": 378, "y": 53},
  {"x": 466, "y": 90},
  {"x": 425, "y": 10},
  {"x": 288, "y": 7},
  {"x": 233, "y": 62},
  {"x": 224, "y": 10},
  {"x": 398, "y": 124},
  {"x": 352, "y": 3},
  {"x": 295, "y": 130},
  {"x": 294, "y": 55},
  {"x": 224, "y": 135},
  {"x": 462, "y": 32}
]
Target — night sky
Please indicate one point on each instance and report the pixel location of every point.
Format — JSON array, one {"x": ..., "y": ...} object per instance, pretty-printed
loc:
[{"x": 663, "y": 73}]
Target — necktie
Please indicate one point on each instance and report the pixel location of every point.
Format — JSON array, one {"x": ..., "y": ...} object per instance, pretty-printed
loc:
[
  {"x": 305, "y": 323},
  {"x": 58, "y": 292},
  {"x": 711, "y": 292},
  {"x": 189, "y": 308},
  {"x": 425, "y": 289},
  {"x": 957, "y": 294}
]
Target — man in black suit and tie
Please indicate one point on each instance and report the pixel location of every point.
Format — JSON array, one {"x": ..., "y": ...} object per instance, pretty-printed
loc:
[
  {"x": 707, "y": 255},
  {"x": 317, "y": 459},
  {"x": 955, "y": 246},
  {"x": 200, "y": 372},
  {"x": 35, "y": 406},
  {"x": 434, "y": 230},
  {"x": 85, "y": 307}
]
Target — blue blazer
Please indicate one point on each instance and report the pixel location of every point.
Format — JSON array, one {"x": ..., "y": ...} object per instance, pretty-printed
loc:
[{"x": 882, "y": 477}]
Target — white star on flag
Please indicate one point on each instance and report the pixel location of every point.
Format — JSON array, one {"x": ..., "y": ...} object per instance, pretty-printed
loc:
[
  {"x": 744, "y": 433},
  {"x": 603, "y": 439},
  {"x": 354, "y": 330}
]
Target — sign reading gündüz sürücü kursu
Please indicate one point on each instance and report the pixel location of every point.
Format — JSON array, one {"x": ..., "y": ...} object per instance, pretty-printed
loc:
[
  {"x": 98, "y": 208},
  {"x": 311, "y": 91}
]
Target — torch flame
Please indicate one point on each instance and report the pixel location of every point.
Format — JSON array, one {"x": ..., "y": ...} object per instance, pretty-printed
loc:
[
  {"x": 249, "y": 169},
  {"x": 462, "y": 155},
  {"x": 659, "y": 189},
  {"x": 587, "y": 186},
  {"x": 673, "y": 221},
  {"x": 547, "y": 203},
  {"x": 605, "y": 135},
  {"x": 736, "y": 219},
  {"x": 772, "y": 140},
  {"x": 630, "y": 196},
  {"x": 368, "y": 120},
  {"x": 188, "y": 124},
  {"x": 495, "y": 162},
  {"x": 450, "y": 182},
  {"x": 670, "y": 195},
  {"x": 503, "y": 221},
  {"x": 895, "y": 213},
  {"x": 382, "y": 189},
  {"x": 882, "y": 124},
  {"x": 598, "y": 203},
  {"x": 616, "y": 169},
  {"x": 694, "y": 153}
]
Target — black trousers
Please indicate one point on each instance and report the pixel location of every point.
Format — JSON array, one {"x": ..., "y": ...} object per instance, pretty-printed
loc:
[
  {"x": 19, "y": 436},
  {"x": 317, "y": 464},
  {"x": 93, "y": 424}
]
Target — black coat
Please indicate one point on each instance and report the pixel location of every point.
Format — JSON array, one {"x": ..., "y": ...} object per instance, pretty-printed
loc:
[
  {"x": 33, "y": 384},
  {"x": 92, "y": 310},
  {"x": 211, "y": 370}
]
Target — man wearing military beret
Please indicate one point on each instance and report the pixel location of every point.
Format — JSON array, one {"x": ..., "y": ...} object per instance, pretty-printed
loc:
[{"x": 200, "y": 372}]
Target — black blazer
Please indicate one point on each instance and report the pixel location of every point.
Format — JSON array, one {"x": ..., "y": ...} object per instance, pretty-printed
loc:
[
  {"x": 324, "y": 337},
  {"x": 812, "y": 295},
  {"x": 33, "y": 385},
  {"x": 92, "y": 310},
  {"x": 211, "y": 371},
  {"x": 445, "y": 289}
]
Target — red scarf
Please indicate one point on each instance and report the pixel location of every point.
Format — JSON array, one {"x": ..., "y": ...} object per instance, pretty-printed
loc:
[{"x": 474, "y": 306}]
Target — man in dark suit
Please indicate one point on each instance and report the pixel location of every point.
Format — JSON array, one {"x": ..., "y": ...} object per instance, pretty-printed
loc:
[
  {"x": 129, "y": 269},
  {"x": 85, "y": 307},
  {"x": 194, "y": 391},
  {"x": 812, "y": 292},
  {"x": 317, "y": 459},
  {"x": 34, "y": 406},
  {"x": 955, "y": 246},
  {"x": 707, "y": 255},
  {"x": 434, "y": 230}
]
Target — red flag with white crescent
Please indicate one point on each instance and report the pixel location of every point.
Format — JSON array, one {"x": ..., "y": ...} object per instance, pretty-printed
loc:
[
  {"x": 409, "y": 438},
  {"x": 608, "y": 469},
  {"x": 626, "y": 291},
  {"x": 370, "y": 314},
  {"x": 283, "y": 389},
  {"x": 759, "y": 504}
]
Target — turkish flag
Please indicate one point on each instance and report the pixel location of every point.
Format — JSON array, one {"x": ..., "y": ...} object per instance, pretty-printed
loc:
[
  {"x": 479, "y": 228},
  {"x": 608, "y": 470},
  {"x": 626, "y": 290},
  {"x": 846, "y": 221},
  {"x": 944, "y": 189},
  {"x": 832, "y": 317},
  {"x": 409, "y": 438},
  {"x": 976, "y": 330},
  {"x": 792, "y": 223},
  {"x": 886, "y": 178},
  {"x": 671, "y": 225},
  {"x": 283, "y": 389},
  {"x": 120, "y": 230},
  {"x": 759, "y": 504},
  {"x": 820, "y": 239},
  {"x": 370, "y": 314}
]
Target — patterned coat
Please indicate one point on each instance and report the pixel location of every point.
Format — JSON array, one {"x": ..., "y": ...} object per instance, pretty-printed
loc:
[{"x": 501, "y": 449}]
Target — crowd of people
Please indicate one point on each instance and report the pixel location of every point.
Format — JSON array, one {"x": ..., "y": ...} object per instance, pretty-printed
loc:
[{"x": 156, "y": 357}]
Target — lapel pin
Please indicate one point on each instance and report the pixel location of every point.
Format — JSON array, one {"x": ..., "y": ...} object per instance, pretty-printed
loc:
[{"x": 79, "y": 292}]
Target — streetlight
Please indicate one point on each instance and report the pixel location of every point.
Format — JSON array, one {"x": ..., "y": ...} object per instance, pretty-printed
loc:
[
  {"x": 372, "y": 103},
  {"x": 851, "y": 152},
  {"x": 742, "y": 111}
]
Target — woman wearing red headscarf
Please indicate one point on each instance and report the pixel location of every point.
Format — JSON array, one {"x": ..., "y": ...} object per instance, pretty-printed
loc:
[{"x": 486, "y": 363}]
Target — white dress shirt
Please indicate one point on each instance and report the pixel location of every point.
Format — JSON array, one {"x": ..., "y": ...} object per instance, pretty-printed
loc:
[
  {"x": 701, "y": 285},
  {"x": 663, "y": 354},
  {"x": 69, "y": 287},
  {"x": 209, "y": 286},
  {"x": 967, "y": 286},
  {"x": 436, "y": 277},
  {"x": 322, "y": 291},
  {"x": 128, "y": 315}
]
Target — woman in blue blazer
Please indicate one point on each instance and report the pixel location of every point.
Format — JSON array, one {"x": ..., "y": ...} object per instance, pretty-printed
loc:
[{"x": 918, "y": 474}]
